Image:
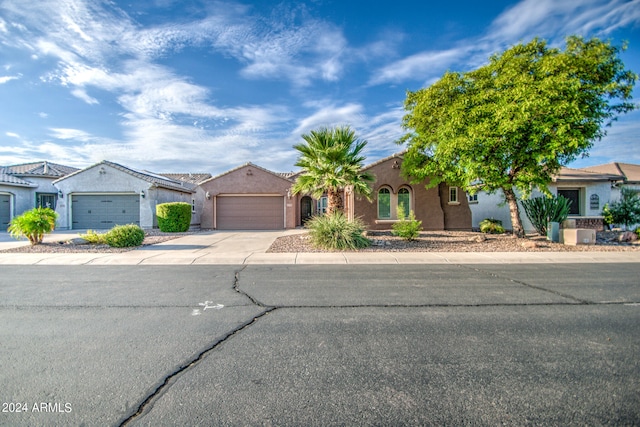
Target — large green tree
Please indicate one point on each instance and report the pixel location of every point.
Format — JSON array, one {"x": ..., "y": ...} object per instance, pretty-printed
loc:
[
  {"x": 331, "y": 160},
  {"x": 511, "y": 124}
]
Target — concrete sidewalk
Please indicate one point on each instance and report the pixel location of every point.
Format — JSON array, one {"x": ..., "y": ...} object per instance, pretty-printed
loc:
[{"x": 249, "y": 247}]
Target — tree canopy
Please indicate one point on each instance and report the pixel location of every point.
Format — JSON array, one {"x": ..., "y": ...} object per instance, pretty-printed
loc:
[
  {"x": 512, "y": 123},
  {"x": 331, "y": 160}
]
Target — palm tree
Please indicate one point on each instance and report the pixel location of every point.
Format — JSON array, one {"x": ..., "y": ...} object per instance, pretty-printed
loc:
[{"x": 331, "y": 160}]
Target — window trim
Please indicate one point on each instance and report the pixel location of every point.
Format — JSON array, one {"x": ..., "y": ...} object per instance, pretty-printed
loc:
[
  {"x": 454, "y": 198},
  {"x": 387, "y": 191}
]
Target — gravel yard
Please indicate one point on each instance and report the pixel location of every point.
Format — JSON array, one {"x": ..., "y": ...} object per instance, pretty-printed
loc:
[
  {"x": 429, "y": 241},
  {"x": 459, "y": 241}
]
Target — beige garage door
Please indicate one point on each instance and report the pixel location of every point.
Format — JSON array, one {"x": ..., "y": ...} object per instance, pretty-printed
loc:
[{"x": 250, "y": 212}]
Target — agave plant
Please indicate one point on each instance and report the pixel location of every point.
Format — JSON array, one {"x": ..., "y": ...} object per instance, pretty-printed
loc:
[
  {"x": 33, "y": 224},
  {"x": 543, "y": 210}
]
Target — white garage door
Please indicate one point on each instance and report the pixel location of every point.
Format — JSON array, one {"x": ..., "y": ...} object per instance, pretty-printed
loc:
[
  {"x": 5, "y": 211},
  {"x": 104, "y": 211},
  {"x": 250, "y": 212}
]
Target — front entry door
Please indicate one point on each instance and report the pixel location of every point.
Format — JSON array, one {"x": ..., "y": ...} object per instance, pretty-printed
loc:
[
  {"x": 305, "y": 209},
  {"x": 47, "y": 200}
]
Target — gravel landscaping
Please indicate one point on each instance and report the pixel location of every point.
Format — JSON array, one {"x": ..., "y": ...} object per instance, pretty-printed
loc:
[
  {"x": 383, "y": 241},
  {"x": 460, "y": 241}
]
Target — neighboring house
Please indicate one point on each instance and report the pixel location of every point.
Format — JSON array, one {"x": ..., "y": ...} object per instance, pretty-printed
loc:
[
  {"x": 29, "y": 185},
  {"x": 108, "y": 194},
  {"x": 251, "y": 197},
  {"x": 248, "y": 197},
  {"x": 588, "y": 191}
]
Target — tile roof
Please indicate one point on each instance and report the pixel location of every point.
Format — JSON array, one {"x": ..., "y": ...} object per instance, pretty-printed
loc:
[
  {"x": 43, "y": 169},
  {"x": 193, "y": 178},
  {"x": 8, "y": 179},
  {"x": 151, "y": 177},
  {"x": 570, "y": 174},
  {"x": 629, "y": 171},
  {"x": 279, "y": 175}
]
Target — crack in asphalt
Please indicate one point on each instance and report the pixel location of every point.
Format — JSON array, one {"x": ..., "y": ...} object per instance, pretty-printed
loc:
[
  {"x": 529, "y": 285},
  {"x": 168, "y": 380}
]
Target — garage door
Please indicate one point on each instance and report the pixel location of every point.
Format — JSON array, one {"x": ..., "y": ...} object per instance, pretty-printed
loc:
[
  {"x": 104, "y": 211},
  {"x": 5, "y": 211},
  {"x": 250, "y": 212}
]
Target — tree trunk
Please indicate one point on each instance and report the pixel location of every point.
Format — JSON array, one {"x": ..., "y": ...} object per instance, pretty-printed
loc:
[
  {"x": 514, "y": 210},
  {"x": 334, "y": 202}
]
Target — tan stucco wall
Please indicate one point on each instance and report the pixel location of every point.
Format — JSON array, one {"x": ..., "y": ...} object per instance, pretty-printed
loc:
[
  {"x": 457, "y": 216},
  {"x": 247, "y": 180}
]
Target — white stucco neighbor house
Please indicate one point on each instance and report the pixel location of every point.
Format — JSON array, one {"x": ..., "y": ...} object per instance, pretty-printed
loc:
[
  {"x": 28, "y": 185},
  {"x": 108, "y": 194},
  {"x": 588, "y": 191}
]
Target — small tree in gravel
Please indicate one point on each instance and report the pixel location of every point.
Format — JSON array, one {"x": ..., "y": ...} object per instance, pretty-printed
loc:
[{"x": 33, "y": 224}]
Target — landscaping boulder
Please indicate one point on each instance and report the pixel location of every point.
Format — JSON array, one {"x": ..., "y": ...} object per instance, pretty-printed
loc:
[{"x": 627, "y": 237}]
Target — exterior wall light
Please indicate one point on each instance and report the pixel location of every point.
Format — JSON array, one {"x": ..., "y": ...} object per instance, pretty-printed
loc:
[{"x": 142, "y": 194}]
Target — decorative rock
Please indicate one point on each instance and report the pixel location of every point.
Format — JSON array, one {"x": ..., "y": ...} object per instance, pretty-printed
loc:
[
  {"x": 627, "y": 237},
  {"x": 478, "y": 239},
  {"x": 78, "y": 241},
  {"x": 530, "y": 244}
]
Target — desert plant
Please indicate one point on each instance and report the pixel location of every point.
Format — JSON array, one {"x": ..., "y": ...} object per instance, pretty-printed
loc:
[
  {"x": 490, "y": 225},
  {"x": 174, "y": 217},
  {"x": 335, "y": 231},
  {"x": 407, "y": 228},
  {"x": 626, "y": 211},
  {"x": 95, "y": 238},
  {"x": 124, "y": 236},
  {"x": 33, "y": 224},
  {"x": 543, "y": 210}
]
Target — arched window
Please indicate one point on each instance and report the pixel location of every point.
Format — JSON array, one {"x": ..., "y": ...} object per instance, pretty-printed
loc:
[
  {"x": 404, "y": 203},
  {"x": 384, "y": 203}
]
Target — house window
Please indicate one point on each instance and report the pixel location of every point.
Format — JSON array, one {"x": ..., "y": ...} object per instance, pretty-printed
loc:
[
  {"x": 322, "y": 205},
  {"x": 594, "y": 202},
  {"x": 404, "y": 203},
  {"x": 384, "y": 203},
  {"x": 573, "y": 194},
  {"x": 473, "y": 198},
  {"x": 453, "y": 194}
]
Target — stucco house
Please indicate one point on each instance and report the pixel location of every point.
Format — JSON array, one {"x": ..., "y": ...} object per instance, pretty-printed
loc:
[
  {"x": 251, "y": 197},
  {"x": 108, "y": 194},
  {"x": 588, "y": 190},
  {"x": 29, "y": 185}
]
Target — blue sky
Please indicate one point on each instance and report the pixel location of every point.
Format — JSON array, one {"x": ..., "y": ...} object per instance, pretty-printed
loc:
[{"x": 205, "y": 86}]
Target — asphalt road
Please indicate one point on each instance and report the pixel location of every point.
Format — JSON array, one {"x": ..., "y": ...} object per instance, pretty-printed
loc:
[{"x": 552, "y": 344}]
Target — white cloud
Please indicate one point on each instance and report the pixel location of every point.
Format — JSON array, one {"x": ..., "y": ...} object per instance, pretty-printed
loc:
[
  {"x": 12, "y": 134},
  {"x": 5, "y": 79},
  {"x": 548, "y": 19}
]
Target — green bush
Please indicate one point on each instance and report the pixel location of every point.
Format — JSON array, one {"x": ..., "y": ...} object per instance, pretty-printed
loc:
[
  {"x": 335, "y": 231},
  {"x": 408, "y": 228},
  {"x": 33, "y": 224},
  {"x": 174, "y": 217},
  {"x": 626, "y": 211},
  {"x": 95, "y": 238},
  {"x": 490, "y": 225},
  {"x": 543, "y": 210},
  {"x": 124, "y": 236}
]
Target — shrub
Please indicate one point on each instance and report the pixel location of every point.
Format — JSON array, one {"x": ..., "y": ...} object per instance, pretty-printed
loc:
[
  {"x": 124, "y": 236},
  {"x": 33, "y": 224},
  {"x": 174, "y": 217},
  {"x": 542, "y": 210},
  {"x": 335, "y": 231},
  {"x": 490, "y": 225},
  {"x": 95, "y": 238},
  {"x": 626, "y": 211},
  {"x": 408, "y": 228}
]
